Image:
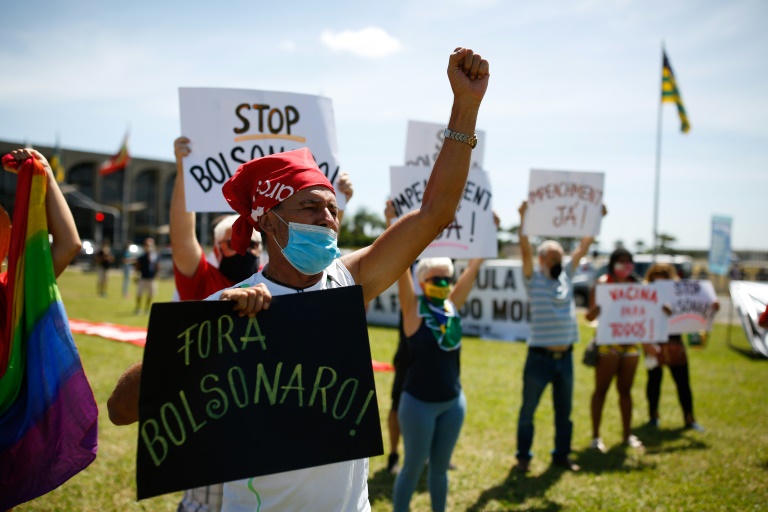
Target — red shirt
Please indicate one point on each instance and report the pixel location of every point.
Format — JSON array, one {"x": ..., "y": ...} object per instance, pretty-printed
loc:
[
  {"x": 206, "y": 281},
  {"x": 764, "y": 317}
]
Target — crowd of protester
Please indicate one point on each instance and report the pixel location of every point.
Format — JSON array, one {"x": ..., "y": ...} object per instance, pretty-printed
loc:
[{"x": 428, "y": 403}]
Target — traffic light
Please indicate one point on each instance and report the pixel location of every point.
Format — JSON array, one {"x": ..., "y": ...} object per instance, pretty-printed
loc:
[{"x": 99, "y": 217}]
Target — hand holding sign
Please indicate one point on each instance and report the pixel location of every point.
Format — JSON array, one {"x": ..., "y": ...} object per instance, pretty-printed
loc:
[
  {"x": 249, "y": 301},
  {"x": 564, "y": 203}
]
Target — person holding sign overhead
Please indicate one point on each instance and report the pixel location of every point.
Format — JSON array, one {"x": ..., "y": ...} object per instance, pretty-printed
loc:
[
  {"x": 614, "y": 360},
  {"x": 432, "y": 403},
  {"x": 550, "y": 347}
]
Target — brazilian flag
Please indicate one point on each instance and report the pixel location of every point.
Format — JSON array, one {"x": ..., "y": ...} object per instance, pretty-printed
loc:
[{"x": 671, "y": 94}]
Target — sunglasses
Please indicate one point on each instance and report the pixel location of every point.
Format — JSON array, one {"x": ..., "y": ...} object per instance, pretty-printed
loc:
[
  {"x": 440, "y": 281},
  {"x": 252, "y": 245}
]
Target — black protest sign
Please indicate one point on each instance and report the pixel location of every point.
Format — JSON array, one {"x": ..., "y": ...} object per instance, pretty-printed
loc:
[{"x": 224, "y": 398}]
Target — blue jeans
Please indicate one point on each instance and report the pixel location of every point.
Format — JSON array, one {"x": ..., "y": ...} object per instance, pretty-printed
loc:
[
  {"x": 430, "y": 430},
  {"x": 540, "y": 370}
]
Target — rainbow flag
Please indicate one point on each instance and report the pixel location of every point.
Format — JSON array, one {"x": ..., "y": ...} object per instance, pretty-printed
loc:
[{"x": 48, "y": 415}]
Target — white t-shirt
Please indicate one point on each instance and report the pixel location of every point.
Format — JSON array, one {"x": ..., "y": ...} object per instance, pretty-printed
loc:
[{"x": 342, "y": 486}]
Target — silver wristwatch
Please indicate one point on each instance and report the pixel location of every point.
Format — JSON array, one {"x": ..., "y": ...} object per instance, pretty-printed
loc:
[{"x": 472, "y": 141}]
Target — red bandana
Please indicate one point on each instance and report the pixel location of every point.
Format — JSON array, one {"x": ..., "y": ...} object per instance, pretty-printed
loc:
[{"x": 263, "y": 183}]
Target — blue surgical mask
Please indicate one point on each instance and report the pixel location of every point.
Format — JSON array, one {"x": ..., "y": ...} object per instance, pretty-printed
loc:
[{"x": 310, "y": 249}]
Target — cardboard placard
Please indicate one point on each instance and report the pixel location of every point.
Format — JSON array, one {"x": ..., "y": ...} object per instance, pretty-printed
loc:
[
  {"x": 224, "y": 398},
  {"x": 692, "y": 304},
  {"x": 424, "y": 141},
  {"x": 564, "y": 204},
  {"x": 630, "y": 313},
  {"x": 472, "y": 233},
  {"x": 228, "y": 127}
]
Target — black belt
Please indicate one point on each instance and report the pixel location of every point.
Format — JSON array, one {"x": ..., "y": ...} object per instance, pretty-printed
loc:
[{"x": 552, "y": 354}]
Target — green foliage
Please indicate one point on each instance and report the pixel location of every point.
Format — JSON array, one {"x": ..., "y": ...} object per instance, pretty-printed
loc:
[
  {"x": 724, "y": 468},
  {"x": 360, "y": 229},
  {"x": 664, "y": 243}
]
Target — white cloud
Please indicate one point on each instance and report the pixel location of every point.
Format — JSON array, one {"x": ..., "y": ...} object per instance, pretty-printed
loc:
[{"x": 370, "y": 42}]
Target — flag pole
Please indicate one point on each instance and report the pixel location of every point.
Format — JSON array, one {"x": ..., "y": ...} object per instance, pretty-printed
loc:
[
  {"x": 124, "y": 218},
  {"x": 126, "y": 192},
  {"x": 658, "y": 169}
]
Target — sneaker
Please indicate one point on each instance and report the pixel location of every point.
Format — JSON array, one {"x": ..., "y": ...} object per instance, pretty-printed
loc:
[
  {"x": 633, "y": 442},
  {"x": 566, "y": 464},
  {"x": 653, "y": 422},
  {"x": 597, "y": 444},
  {"x": 392, "y": 461},
  {"x": 694, "y": 426}
]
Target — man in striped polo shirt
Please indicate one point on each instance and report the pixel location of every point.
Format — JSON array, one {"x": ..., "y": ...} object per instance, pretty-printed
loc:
[{"x": 550, "y": 346}]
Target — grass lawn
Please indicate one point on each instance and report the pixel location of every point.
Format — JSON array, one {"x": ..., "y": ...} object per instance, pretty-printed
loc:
[{"x": 724, "y": 468}]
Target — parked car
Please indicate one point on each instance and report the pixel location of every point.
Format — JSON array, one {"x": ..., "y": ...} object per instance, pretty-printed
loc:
[
  {"x": 583, "y": 279},
  {"x": 683, "y": 264}
]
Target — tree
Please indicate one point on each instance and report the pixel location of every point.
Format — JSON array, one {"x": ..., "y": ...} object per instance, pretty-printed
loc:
[
  {"x": 360, "y": 229},
  {"x": 663, "y": 243}
]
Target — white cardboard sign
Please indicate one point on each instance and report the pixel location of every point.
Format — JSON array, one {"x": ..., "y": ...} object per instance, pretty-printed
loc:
[
  {"x": 472, "y": 234},
  {"x": 228, "y": 127},
  {"x": 630, "y": 313},
  {"x": 424, "y": 141},
  {"x": 564, "y": 204},
  {"x": 692, "y": 304}
]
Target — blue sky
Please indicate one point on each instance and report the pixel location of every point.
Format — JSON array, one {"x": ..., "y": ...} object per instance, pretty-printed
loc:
[{"x": 574, "y": 86}]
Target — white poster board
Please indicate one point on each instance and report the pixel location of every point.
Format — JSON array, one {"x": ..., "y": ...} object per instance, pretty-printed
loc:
[
  {"x": 497, "y": 307},
  {"x": 630, "y": 313},
  {"x": 228, "y": 127},
  {"x": 692, "y": 304},
  {"x": 472, "y": 234},
  {"x": 564, "y": 204},
  {"x": 424, "y": 141}
]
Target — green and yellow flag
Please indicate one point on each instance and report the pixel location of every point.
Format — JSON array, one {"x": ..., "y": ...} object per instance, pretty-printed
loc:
[
  {"x": 671, "y": 94},
  {"x": 56, "y": 165}
]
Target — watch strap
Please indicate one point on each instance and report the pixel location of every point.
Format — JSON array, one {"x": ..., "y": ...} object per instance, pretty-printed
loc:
[{"x": 461, "y": 137}]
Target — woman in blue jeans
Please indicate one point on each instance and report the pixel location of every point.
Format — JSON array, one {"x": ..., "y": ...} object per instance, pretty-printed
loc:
[{"x": 432, "y": 404}]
